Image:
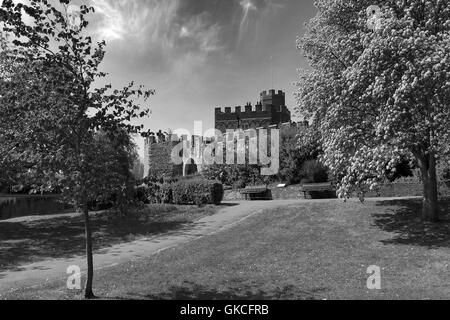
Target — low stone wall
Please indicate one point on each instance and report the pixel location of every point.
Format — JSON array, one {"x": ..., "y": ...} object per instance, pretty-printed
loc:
[
  {"x": 406, "y": 190},
  {"x": 386, "y": 190},
  {"x": 291, "y": 192}
]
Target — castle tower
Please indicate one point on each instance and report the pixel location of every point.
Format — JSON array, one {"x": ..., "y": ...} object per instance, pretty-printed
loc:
[
  {"x": 273, "y": 98},
  {"x": 271, "y": 110}
]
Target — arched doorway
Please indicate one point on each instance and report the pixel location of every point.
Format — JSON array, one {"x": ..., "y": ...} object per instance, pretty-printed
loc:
[{"x": 190, "y": 168}]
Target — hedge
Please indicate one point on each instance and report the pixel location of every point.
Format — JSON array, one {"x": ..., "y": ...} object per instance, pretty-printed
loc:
[
  {"x": 199, "y": 192},
  {"x": 165, "y": 194}
]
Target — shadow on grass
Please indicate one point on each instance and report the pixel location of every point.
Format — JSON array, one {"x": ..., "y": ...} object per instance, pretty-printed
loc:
[
  {"x": 63, "y": 237},
  {"x": 225, "y": 205},
  {"x": 404, "y": 218},
  {"x": 192, "y": 291}
]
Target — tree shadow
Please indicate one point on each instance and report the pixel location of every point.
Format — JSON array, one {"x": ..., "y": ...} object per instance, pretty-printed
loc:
[
  {"x": 403, "y": 217},
  {"x": 63, "y": 237},
  {"x": 225, "y": 205},
  {"x": 193, "y": 291}
]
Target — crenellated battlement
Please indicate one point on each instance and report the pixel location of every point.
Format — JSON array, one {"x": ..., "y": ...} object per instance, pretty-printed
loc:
[
  {"x": 272, "y": 93},
  {"x": 247, "y": 109},
  {"x": 251, "y": 110},
  {"x": 270, "y": 110}
]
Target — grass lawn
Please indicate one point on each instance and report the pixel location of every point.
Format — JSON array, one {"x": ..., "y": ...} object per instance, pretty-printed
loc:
[
  {"x": 309, "y": 251},
  {"x": 32, "y": 239}
]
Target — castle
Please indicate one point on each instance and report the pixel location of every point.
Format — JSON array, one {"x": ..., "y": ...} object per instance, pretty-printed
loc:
[
  {"x": 270, "y": 112},
  {"x": 161, "y": 148}
]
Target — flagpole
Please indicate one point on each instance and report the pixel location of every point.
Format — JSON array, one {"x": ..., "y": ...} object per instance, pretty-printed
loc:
[{"x": 271, "y": 71}]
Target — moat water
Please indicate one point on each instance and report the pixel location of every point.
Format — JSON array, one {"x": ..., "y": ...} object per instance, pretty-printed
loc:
[{"x": 12, "y": 206}]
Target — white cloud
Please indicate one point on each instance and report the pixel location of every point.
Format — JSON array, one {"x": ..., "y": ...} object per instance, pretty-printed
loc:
[
  {"x": 253, "y": 13},
  {"x": 125, "y": 19},
  {"x": 247, "y": 5},
  {"x": 205, "y": 35},
  {"x": 155, "y": 27}
]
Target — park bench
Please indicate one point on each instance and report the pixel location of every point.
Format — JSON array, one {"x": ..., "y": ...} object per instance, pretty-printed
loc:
[
  {"x": 257, "y": 193},
  {"x": 318, "y": 187}
]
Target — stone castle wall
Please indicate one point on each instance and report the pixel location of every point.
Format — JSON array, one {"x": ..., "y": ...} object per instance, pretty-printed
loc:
[
  {"x": 160, "y": 162},
  {"x": 271, "y": 110}
]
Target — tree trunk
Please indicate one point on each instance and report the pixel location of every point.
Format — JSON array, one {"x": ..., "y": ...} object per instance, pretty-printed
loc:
[
  {"x": 90, "y": 260},
  {"x": 430, "y": 209}
]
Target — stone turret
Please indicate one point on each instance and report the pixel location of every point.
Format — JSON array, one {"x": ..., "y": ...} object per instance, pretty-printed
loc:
[{"x": 270, "y": 110}]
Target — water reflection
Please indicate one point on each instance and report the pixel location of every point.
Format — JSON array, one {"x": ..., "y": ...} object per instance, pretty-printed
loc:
[{"x": 21, "y": 206}]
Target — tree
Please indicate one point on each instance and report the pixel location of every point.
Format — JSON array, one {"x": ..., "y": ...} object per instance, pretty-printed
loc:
[
  {"x": 13, "y": 161},
  {"x": 110, "y": 178},
  {"x": 63, "y": 109},
  {"x": 379, "y": 94},
  {"x": 299, "y": 144}
]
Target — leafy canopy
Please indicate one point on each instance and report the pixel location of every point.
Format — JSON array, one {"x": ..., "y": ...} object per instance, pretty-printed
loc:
[
  {"x": 53, "y": 110},
  {"x": 377, "y": 94}
]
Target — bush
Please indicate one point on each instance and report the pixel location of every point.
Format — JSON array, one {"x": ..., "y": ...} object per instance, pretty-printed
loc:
[
  {"x": 165, "y": 194},
  {"x": 235, "y": 175},
  {"x": 141, "y": 194},
  {"x": 196, "y": 191},
  {"x": 240, "y": 184},
  {"x": 446, "y": 177},
  {"x": 315, "y": 172},
  {"x": 298, "y": 145},
  {"x": 147, "y": 193}
]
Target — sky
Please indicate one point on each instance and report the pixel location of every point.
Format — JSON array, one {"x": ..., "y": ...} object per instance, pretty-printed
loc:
[{"x": 201, "y": 54}]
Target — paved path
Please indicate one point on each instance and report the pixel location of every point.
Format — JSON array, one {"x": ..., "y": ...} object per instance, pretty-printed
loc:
[{"x": 38, "y": 273}]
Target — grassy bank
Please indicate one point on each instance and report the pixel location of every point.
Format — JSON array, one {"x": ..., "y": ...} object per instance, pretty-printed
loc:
[
  {"x": 32, "y": 239},
  {"x": 309, "y": 251}
]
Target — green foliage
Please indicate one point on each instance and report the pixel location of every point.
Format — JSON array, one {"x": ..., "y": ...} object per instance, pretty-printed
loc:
[
  {"x": 235, "y": 175},
  {"x": 403, "y": 168},
  {"x": 378, "y": 95},
  {"x": 298, "y": 144},
  {"x": 314, "y": 172},
  {"x": 149, "y": 193},
  {"x": 197, "y": 191},
  {"x": 165, "y": 194},
  {"x": 141, "y": 194},
  {"x": 446, "y": 174},
  {"x": 52, "y": 107},
  {"x": 73, "y": 127},
  {"x": 239, "y": 184},
  {"x": 154, "y": 193}
]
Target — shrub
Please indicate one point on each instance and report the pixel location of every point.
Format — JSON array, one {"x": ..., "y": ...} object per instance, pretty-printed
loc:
[
  {"x": 235, "y": 175},
  {"x": 141, "y": 194},
  {"x": 165, "y": 194},
  {"x": 196, "y": 191},
  {"x": 240, "y": 184},
  {"x": 298, "y": 144},
  {"x": 315, "y": 171},
  {"x": 446, "y": 177},
  {"x": 153, "y": 193}
]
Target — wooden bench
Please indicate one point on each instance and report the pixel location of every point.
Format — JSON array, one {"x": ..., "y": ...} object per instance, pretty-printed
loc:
[
  {"x": 317, "y": 187},
  {"x": 257, "y": 193}
]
